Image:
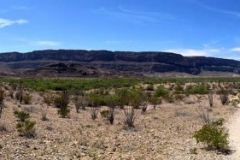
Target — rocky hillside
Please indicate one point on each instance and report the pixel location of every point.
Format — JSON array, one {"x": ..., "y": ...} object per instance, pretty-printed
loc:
[{"x": 104, "y": 63}]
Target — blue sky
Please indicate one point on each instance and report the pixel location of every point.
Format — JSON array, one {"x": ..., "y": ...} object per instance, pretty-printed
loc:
[{"x": 187, "y": 27}]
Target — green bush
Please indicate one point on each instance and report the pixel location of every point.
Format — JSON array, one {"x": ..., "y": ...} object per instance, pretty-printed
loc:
[
  {"x": 124, "y": 96},
  {"x": 215, "y": 136},
  {"x": 62, "y": 100},
  {"x": 137, "y": 97},
  {"x": 21, "y": 115},
  {"x": 161, "y": 92},
  {"x": 155, "y": 101},
  {"x": 26, "y": 128},
  {"x": 64, "y": 112},
  {"x": 178, "y": 89},
  {"x": 198, "y": 89},
  {"x": 62, "y": 103}
]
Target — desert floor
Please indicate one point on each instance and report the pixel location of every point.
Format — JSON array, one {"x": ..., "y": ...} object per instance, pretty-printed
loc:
[{"x": 162, "y": 133}]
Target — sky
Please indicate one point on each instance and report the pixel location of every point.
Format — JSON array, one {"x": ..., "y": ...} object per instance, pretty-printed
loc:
[{"x": 189, "y": 27}]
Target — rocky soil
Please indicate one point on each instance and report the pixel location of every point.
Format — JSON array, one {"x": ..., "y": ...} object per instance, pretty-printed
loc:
[{"x": 162, "y": 134}]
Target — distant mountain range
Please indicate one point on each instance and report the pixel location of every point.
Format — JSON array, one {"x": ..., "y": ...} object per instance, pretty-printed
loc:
[{"x": 81, "y": 63}]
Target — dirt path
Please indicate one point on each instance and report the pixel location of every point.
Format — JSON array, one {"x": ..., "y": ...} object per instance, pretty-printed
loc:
[{"x": 234, "y": 135}]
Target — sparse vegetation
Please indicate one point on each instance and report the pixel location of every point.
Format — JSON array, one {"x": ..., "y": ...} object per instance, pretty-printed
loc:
[
  {"x": 79, "y": 101},
  {"x": 21, "y": 115},
  {"x": 25, "y": 127},
  {"x": 19, "y": 94},
  {"x": 214, "y": 136},
  {"x": 224, "y": 97},
  {"x": 61, "y": 102},
  {"x": 119, "y": 103},
  {"x": 129, "y": 116}
]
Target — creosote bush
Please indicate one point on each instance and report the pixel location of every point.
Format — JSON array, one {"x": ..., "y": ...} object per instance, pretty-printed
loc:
[
  {"x": 214, "y": 136},
  {"x": 25, "y": 127},
  {"x": 79, "y": 100},
  {"x": 161, "y": 92},
  {"x": 61, "y": 102},
  {"x": 21, "y": 115},
  {"x": 48, "y": 99},
  {"x": 155, "y": 101},
  {"x": 19, "y": 94}
]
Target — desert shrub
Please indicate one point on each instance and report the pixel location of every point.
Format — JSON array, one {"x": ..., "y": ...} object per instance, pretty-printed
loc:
[
  {"x": 178, "y": 89},
  {"x": 12, "y": 87},
  {"x": 214, "y": 136},
  {"x": 26, "y": 99},
  {"x": 26, "y": 128},
  {"x": 112, "y": 101},
  {"x": 210, "y": 99},
  {"x": 223, "y": 96},
  {"x": 204, "y": 115},
  {"x": 48, "y": 99},
  {"x": 95, "y": 100},
  {"x": 62, "y": 103},
  {"x": 79, "y": 100},
  {"x": 104, "y": 113},
  {"x": 178, "y": 97},
  {"x": 137, "y": 97},
  {"x": 94, "y": 113},
  {"x": 19, "y": 94},
  {"x": 111, "y": 116},
  {"x": 124, "y": 96},
  {"x": 62, "y": 100},
  {"x": 64, "y": 112},
  {"x": 44, "y": 114},
  {"x": 198, "y": 89},
  {"x": 21, "y": 115},
  {"x": 129, "y": 116},
  {"x": 161, "y": 92},
  {"x": 154, "y": 101}
]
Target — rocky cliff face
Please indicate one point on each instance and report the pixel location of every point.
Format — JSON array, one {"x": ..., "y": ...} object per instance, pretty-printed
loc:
[{"x": 82, "y": 62}]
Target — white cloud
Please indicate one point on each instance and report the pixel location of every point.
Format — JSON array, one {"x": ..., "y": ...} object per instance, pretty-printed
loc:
[
  {"x": 194, "y": 52},
  {"x": 135, "y": 16},
  {"x": 236, "y": 49},
  {"x": 8, "y": 22},
  {"x": 210, "y": 8},
  {"x": 47, "y": 43}
]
